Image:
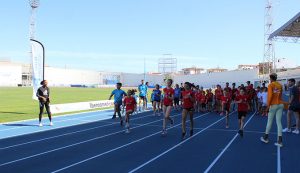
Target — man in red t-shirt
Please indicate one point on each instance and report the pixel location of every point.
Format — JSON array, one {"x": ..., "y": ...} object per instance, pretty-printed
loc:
[{"x": 243, "y": 107}]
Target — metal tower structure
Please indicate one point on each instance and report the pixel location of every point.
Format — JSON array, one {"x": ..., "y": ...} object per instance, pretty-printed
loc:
[
  {"x": 34, "y": 4},
  {"x": 269, "y": 61},
  {"x": 167, "y": 64}
]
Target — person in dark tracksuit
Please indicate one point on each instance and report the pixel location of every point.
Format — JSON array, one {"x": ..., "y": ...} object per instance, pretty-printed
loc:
[{"x": 43, "y": 94}]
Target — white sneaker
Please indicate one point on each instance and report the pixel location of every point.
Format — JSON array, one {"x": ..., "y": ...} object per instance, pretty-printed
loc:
[
  {"x": 286, "y": 130},
  {"x": 51, "y": 124},
  {"x": 164, "y": 132},
  {"x": 278, "y": 144},
  {"x": 127, "y": 130},
  {"x": 40, "y": 124},
  {"x": 296, "y": 131}
]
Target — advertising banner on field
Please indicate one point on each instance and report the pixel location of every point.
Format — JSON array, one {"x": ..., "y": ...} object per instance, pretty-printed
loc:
[
  {"x": 80, "y": 106},
  {"x": 37, "y": 57}
]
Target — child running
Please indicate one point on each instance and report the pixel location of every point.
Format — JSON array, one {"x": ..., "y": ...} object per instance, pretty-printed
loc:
[
  {"x": 188, "y": 98},
  {"x": 118, "y": 96},
  {"x": 243, "y": 106},
  {"x": 225, "y": 101},
  {"x": 156, "y": 99},
  {"x": 130, "y": 104},
  {"x": 168, "y": 104}
]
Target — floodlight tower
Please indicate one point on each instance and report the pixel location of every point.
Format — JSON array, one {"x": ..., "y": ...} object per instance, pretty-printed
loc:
[
  {"x": 34, "y": 4},
  {"x": 269, "y": 61}
]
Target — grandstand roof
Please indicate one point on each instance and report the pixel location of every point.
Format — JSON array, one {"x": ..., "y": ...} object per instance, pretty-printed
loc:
[{"x": 290, "y": 29}]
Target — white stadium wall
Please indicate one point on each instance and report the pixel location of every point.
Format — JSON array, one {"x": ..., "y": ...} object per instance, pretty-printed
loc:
[
  {"x": 208, "y": 80},
  {"x": 10, "y": 75},
  {"x": 67, "y": 77},
  {"x": 130, "y": 79}
]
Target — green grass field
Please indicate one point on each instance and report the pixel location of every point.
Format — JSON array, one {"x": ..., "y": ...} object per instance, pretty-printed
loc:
[{"x": 17, "y": 103}]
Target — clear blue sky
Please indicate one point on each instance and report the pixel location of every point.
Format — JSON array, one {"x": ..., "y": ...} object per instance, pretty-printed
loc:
[{"x": 116, "y": 35}]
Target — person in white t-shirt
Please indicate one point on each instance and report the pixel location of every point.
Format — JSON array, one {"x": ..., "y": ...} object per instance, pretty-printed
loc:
[
  {"x": 264, "y": 102},
  {"x": 260, "y": 101}
]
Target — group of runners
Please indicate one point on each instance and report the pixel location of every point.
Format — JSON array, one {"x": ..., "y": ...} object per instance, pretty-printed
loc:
[{"x": 190, "y": 99}]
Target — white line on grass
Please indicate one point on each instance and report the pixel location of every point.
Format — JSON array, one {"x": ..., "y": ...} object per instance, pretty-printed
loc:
[
  {"x": 122, "y": 146},
  {"x": 175, "y": 146},
  {"x": 75, "y": 144},
  {"x": 70, "y": 133},
  {"x": 227, "y": 146}
]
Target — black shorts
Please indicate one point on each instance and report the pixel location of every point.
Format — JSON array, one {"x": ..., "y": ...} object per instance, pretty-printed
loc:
[
  {"x": 142, "y": 97},
  {"x": 189, "y": 109},
  {"x": 176, "y": 101},
  {"x": 241, "y": 114},
  {"x": 294, "y": 108},
  {"x": 156, "y": 100}
]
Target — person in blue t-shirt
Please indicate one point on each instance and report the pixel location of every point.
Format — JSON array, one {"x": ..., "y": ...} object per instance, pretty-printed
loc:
[
  {"x": 118, "y": 98},
  {"x": 142, "y": 94},
  {"x": 177, "y": 96},
  {"x": 156, "y": 97}
]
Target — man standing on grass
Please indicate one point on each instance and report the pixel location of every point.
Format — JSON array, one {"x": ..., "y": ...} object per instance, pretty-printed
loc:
[
  {"x": 118, "y": 101},
  {"x": 43, "y": 94}
]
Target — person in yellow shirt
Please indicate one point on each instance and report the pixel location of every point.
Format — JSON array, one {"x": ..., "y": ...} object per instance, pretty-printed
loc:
[{"x": 275, "y": 106}]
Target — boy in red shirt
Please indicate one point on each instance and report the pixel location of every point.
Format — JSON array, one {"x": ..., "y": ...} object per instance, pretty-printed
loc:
[
  {"x": 243, "y": 107},
  {"x": 168, "y": 104},
  {"x": 203, "y": 102},
  {"x": 198, "y": 97},
  {"x": 218, "y": 94},
  {"x": 209, "y": 98},
  {"x": 188, "y": 98},
  {"x": 130, "y": 104},
  {"x": 226, "y": 100}
]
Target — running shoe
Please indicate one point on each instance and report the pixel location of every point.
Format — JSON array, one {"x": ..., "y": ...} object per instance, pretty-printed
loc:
[
  {"x": 164, "y": 132},
  {"x": 127, "y": 130},
  {"x": 241, "y": 133},
  {"x": 264, "y": 140},
  {"x": 286, "y": 130},
  {"x": 296, "y": 131},
  {"x": 113, "y": 117},
  {"x": 221, "y": 114},
  {"x": 40, "y": 125},
  {"x": 172, "y": 121},
  {"x": 183, "y": 135},
  {"x": 121, "y": 122},
  {"x": 51, "y": 124},
  {"x": 278, "y": 144},
  {"x": 191, "y": 132}
]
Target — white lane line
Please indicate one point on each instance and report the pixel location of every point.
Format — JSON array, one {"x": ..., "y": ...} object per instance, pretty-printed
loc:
[
  {"x": 75, "y": 144},
  {"x": 227, "y": 146},
  {"x": 70, "y": 133},
  {"x": 55, "y": 127},
  {"x": 122, "y": 146},
  {"x": 278, "y": 160},
  {"x": 175, "y": 146}
]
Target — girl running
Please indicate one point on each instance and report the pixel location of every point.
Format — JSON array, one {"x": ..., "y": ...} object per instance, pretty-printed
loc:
[
  {"x": 188, "y": 98},
  {"x": 156, "y": 99},
  {"x": 226, "y": 100},
  {"x": 130, "y": 104},
  {"x": 210, "y": 97},
  {"x": 168, "y": 104},
  {"x": 243, "y": 107},
  {"x": 218, "y": 95}
]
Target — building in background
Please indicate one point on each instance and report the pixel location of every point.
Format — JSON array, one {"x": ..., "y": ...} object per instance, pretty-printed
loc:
[
  {"x": 247, "y": 67},
  {"x": 216, "y": 70},
  {"x": 192, "y": 70}
]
